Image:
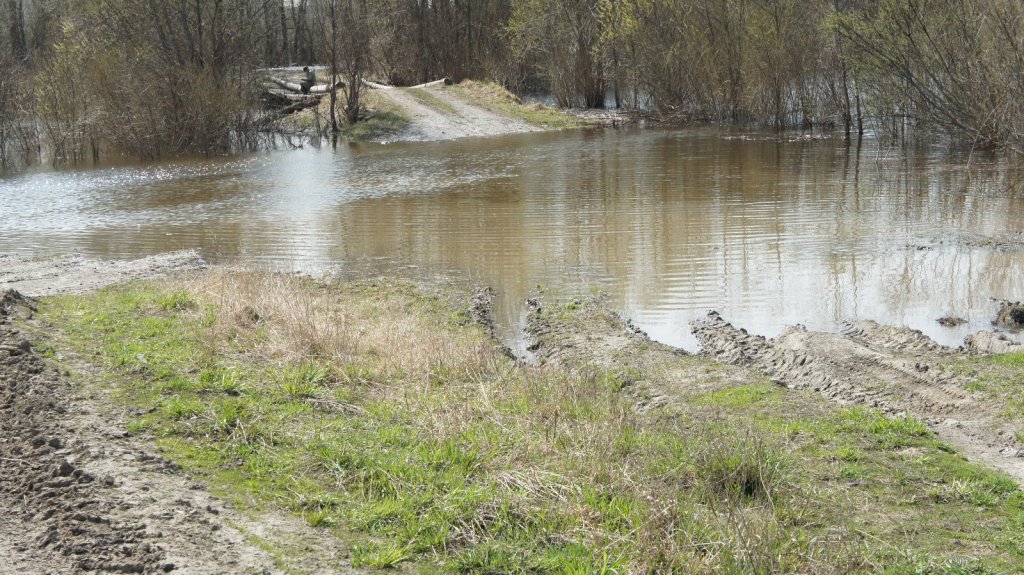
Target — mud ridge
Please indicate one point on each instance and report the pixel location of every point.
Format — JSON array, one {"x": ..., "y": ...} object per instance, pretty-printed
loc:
[
  {"x": 585, "y": 334},
  {"x": 992, "y": 342},
  {"x": 895, "y": 369}
]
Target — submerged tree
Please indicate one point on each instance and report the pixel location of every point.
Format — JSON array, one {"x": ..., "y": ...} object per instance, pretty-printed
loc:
[
  {"x": 563, "y": 39},
  {"x": 958, "y": 67}
]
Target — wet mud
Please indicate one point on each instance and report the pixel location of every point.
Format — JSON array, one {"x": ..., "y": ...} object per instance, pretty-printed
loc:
[
  {"x": 77, "y": 274},
  {"x": 895, "y": 369},
  {"x": 80, "y": 496}
]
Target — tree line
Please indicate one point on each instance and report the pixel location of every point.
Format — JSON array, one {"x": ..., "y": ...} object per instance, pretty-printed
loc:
[{"x": 152, "y": 78}]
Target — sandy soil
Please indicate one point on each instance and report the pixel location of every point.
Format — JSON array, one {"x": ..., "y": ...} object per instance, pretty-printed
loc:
[
  {"x": 898, "y": 370},
  {"x": 77, "y": 274},
  {"x": 80, "y": 494},
  {"x": 432, "y": 124}
]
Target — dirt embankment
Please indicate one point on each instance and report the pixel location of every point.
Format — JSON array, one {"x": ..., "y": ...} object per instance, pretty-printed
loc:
[
  {"x": 586, "y": 333},
  {"x": 898, "y": 370}
]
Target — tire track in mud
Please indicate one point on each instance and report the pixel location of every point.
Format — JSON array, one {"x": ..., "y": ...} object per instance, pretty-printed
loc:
[
  {"x": 81, "y": 496},
  {"x": 895, "y": 369}
]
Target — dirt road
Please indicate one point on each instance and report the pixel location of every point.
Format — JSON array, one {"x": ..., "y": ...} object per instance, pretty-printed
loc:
[
  {"x": 453, "y": 118},
  {"x": 81, "y": 495}
]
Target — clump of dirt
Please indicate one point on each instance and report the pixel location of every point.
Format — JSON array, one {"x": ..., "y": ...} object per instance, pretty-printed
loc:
[
  {"x": 587, "y": 334},
  {"x": 991, "y": 343},
  {"x": 951, "y": 321},
  {"x": 1011, "y": 315},
  {"x": 13, "y": 304},
  {"x": 480, "y": 304},
  {"x": 895, "y": 369}
]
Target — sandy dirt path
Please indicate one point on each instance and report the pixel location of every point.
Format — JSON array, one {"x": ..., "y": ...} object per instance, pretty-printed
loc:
[
  {"x": 429, "y": 123},
  {"x": 80, "y": 494}
]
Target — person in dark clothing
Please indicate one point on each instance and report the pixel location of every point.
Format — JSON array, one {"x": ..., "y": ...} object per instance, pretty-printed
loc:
[{"x": 309, "y": 81}]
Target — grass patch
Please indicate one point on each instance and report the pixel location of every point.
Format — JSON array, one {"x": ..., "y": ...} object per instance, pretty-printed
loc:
[
  {"x": 998, "y": 379},
  {"x": 383, "y": 119},
  {"x": 431, "y": 101},
  {"x": 376, "y": 413},
  {"x": 497, "y": 99}
]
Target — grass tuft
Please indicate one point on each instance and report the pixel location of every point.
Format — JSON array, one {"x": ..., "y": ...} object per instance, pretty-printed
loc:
[{"x": 740, "y": 467}]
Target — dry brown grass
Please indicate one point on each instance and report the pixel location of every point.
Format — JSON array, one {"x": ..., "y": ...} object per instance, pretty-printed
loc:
[
  {"x": 489, "y": 90},
  {"x": 289, "y": 319}
]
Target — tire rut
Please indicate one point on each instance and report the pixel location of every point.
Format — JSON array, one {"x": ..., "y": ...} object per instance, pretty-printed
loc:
[
  {"x": 81, "y": 495},
  {"x": 895, "y": 369}
]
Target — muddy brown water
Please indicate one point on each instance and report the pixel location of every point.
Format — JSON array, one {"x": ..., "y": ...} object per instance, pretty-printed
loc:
[{"x": 766, "y": 230}]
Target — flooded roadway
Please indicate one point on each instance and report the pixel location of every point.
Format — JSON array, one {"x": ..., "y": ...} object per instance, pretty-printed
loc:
[{"x": 768, "y": 231}]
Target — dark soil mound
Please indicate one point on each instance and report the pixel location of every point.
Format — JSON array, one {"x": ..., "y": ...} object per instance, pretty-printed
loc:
[{"x": 1011, "y": 315}]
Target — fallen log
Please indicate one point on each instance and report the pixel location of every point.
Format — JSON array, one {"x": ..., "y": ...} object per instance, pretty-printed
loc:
[
  {"x": 317, "y": 89},
  {"x": 441, "y": 82},
  {"x": 300, "y": 105},
  {"x": 273, "y": 100},
  {"x": 376, "y": 86}
]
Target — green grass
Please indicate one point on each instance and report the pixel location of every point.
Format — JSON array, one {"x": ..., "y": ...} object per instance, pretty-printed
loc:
[
  {"x": 437, "y": 454},
  {"x": 430, "y": 100},
  {"x": 384, "y": 119},
  {"x": 998, "y": 379}
]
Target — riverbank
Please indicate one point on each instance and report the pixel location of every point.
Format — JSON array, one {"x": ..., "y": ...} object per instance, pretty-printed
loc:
[{"x": 321, "y": 416}]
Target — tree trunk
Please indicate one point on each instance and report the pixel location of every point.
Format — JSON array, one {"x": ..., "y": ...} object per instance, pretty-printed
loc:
[
  {"x": 16, "y": 17},
  {"x": 334, "y": 62}
]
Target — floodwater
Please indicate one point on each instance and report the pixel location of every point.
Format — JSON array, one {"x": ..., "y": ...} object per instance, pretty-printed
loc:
[{"x": 670, "y": 224}]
